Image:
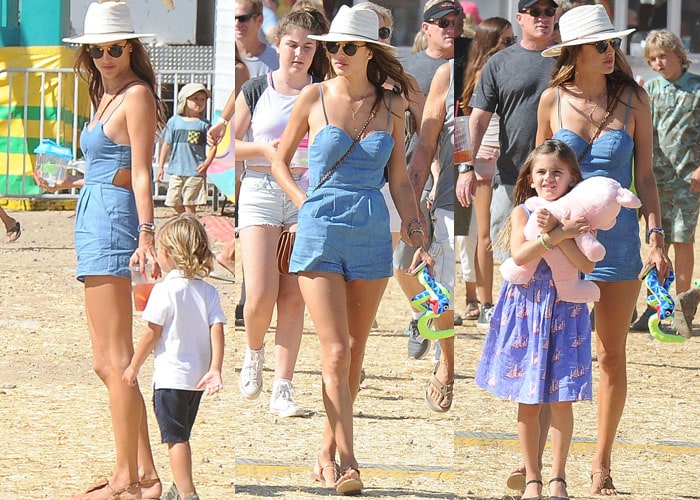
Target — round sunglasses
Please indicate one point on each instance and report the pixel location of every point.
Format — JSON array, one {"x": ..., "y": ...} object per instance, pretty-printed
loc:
[
  {"x": 602, "y": 45},
  {"x": 384, "y": 33},
  {"x": 115, "y": 51},
  {"x": 537, "y": 12},
  {"x": 350, "y": 48}
]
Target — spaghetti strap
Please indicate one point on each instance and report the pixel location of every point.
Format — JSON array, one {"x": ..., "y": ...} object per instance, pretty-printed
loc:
[
  {"x": 122, "y": 90},
  {"x": 388, "y": 121},
  {"x": 559, "y": 106},
  {"x": 627, "y": 113},
  {"x": 323, "y": 103}
]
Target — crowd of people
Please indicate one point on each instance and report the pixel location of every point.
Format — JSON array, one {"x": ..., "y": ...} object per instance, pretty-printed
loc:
[{"x": 352, "y": 150}]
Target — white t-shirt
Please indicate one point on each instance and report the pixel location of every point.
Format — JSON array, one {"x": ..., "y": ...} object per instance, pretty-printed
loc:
[{"x": 185, "y": 308}]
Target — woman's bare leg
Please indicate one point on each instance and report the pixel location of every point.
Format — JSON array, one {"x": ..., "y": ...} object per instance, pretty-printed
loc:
[
  {"x": 109, "y": 315},
  {"x": 342, "y": 314},
  {"x": 613, "y": 312}
]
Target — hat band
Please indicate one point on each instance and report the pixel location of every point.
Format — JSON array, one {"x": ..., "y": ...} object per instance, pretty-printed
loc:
[
  {"x": 353, "y": 34},
  {"x": 583, "y": 37}
]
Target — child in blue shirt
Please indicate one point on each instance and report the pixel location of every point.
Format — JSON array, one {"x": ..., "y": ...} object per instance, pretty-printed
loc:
[{"x": 185, "y": 144}]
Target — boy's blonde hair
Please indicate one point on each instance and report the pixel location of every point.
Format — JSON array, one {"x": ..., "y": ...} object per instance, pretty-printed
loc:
[
  {"x": 184, "y": 238},
  {"x": 668, "y": 41}
]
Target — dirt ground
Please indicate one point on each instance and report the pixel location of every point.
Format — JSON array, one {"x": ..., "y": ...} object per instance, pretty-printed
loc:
[{"x": 56, "y": 437}]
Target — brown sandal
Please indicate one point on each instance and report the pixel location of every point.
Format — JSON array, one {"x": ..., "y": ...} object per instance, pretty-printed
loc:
[
  {"x": 149, "y": 483},
  {"x": 444, "y": 401},
  {"x": 605, "y": 482},
  {"x": 317, "y": 472},
  {"x": 349, "y": 483},
  {"x": 473, "y": 310}
]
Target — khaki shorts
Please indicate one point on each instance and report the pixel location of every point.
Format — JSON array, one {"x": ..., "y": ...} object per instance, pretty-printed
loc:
[{"x": 186, "y": 191}]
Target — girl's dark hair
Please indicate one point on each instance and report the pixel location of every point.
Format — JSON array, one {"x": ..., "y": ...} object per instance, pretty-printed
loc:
[
  {"x": 316, "y": 22},
  {"x": 140, "y": 64},
  {"x": 485, "y": 43},
  {"x": 523, "y": 189},
  {"x": 620, "y": 78}
]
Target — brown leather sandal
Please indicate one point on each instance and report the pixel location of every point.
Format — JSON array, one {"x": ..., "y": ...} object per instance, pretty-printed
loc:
[
  {"x": 145, "y": 484},
  {"x": 317, "y": 472},
  {"x": 604, "y": 482},
  {"x": 349, "y": 483},
  {"x": 558, "y": 480}
]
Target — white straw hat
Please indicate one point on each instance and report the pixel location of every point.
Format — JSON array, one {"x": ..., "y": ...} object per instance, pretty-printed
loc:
[
  {"x": 356, "y": 24},
  {"x": 584, "y": 24},
  {"x": 107, "y": 21}
]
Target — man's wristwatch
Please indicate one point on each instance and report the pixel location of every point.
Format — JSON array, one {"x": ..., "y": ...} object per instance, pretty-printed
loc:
[{"x": 465, "y": 167}]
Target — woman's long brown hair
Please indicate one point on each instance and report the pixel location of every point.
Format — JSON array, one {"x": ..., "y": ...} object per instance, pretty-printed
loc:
[
  {"x": 140, "y": 64},
  {"x": 484, "y": 44}
]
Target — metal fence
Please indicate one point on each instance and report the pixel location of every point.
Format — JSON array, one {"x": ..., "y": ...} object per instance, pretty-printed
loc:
[{"x": 27, "y": 123}]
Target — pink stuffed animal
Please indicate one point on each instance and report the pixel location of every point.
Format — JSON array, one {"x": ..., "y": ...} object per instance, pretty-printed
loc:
[{"x": 598, "y": 199}]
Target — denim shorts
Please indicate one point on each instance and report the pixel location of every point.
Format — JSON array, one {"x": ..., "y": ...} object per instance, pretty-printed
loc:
[
  {"x": 175, "y": 411},
  {"x": 263, "y": 203}
]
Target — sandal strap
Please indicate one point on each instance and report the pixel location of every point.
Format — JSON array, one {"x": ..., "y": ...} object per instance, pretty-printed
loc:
[
  {"x": 535, "y": 481},
  {"x": 558, "y": 480}
]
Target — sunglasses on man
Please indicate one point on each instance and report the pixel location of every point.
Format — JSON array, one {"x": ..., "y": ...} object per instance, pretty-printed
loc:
[
  {"x": 244, "y": 18},
  {"x": 537, "y": 12},
  {"x": 442, "y": 23},
  {"x": 115, "y": 51},
  {"x": 350, "y": 48},
  {"x": 602, "y": 45}
]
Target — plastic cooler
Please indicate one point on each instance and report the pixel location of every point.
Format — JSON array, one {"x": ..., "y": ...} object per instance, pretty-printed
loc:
[{"x": 52, "y": 161}]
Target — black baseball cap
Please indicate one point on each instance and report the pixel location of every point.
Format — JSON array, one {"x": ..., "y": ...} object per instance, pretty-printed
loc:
[
  {"x": 439, "y": 10},
  {"x": 524, "y": 4}
]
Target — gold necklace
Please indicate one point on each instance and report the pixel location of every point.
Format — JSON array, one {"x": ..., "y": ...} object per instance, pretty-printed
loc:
[
  {"x": 355, "y": 111},
  {"x": 595, "y": 106}
]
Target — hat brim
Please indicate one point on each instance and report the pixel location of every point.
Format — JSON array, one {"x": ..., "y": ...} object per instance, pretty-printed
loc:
[
  {"x": 101, "y": 38},
  {"x": 339, "y": 37},
  {"x": 555, "y": 50},
  {"x": 439, "y": 14}
]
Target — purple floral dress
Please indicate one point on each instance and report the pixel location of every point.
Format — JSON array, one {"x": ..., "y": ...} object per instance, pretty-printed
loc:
[{"x": 538, "y": 348}]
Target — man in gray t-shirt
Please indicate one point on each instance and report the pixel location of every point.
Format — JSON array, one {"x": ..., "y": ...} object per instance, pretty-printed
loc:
[{"x": 510, "y": 85}]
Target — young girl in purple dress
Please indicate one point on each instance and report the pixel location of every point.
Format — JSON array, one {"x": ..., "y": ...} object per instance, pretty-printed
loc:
[{"x": 538, "y": 348}]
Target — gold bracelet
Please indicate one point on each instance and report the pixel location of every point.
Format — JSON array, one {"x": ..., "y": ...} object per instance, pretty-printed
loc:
[{"x": 544, "y": 243}]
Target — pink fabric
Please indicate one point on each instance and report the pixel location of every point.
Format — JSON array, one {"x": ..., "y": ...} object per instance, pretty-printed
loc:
[{"x": 471, "y": 8}]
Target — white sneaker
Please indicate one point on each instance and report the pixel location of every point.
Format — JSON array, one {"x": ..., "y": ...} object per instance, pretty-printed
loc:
[
  {"x": 281, "y": 402},
  {"x": 250, "y": 381}
]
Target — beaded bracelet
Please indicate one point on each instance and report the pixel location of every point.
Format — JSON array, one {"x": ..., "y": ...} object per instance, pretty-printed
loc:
[
  {"x": 411, "y": 223},
  {"x": 147, "y": 227},
  {"x": 544, "y": 243},
  {"x": 419, "y": 231}
]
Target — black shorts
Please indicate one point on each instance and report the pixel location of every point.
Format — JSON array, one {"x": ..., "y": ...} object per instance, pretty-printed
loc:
[{"x": 175, "y": 411}]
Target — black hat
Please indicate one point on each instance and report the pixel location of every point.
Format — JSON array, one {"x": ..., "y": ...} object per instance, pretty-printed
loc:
[
  {"x": 524, "y": 4},
  {"x": 439, "y": 10}
]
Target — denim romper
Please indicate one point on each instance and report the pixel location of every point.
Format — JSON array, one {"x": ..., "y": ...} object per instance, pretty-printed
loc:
[
  {"x": 106, "y": 221},
  {"x": 344, "y": 225},
  {"x": 611, "y": 156}
]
